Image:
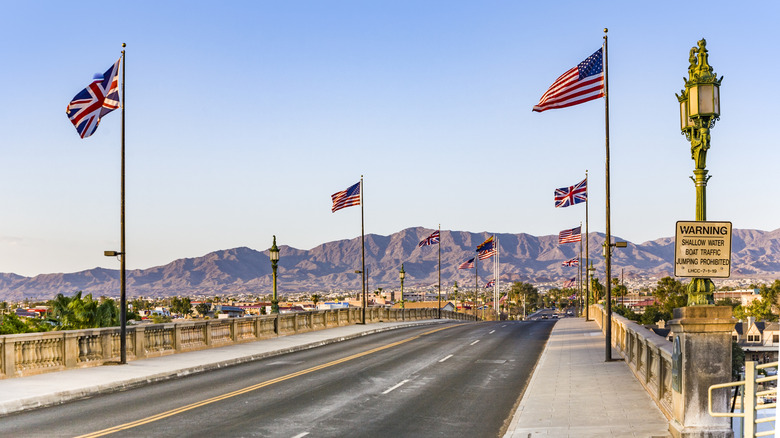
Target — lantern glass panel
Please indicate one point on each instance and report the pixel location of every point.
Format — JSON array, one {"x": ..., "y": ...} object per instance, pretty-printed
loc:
[
  {"x": 274, "y": 255},
  {"x": 693, "y": 101},
  {"x": 706, "y": 99},
  {"x": 685, "y": 121},
  {"x": 716, "y": 101}
]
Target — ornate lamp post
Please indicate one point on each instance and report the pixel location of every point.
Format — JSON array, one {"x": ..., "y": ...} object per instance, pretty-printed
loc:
[
  {"x": 699, "y": 110},
  {"x": 401, "y": 276},
  {"x": 274, "y": 255}
]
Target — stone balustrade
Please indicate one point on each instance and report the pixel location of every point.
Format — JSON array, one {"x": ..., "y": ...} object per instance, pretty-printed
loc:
[{"x": 35, "y": 353}]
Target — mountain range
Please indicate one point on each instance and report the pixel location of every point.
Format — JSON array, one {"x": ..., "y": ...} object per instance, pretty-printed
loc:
[{"x": 331, "y": 266}]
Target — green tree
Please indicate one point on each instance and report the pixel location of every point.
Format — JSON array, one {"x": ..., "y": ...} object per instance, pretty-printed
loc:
[
  {"x": 315, "y": 298},
  {"x": 10, "y": 324},
  {"x": 737, "y": 361},
  {"x": 670, "y": 294},
  {"x": 596, "y": 289},
  {"x": 520, "y": 293},
  {"x": 760, "y": 309},
  {"x": 80, "y": 313},
  {"x": 203, "y": 308},
  {"x": 653, "y": 314},
  {"x": 181, "y": 306}
]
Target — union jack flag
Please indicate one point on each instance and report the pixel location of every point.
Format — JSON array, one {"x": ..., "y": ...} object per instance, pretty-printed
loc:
[
  {"x": 569, "y": 236},
  {"x": 490, "y": 284},
  {"x": 487, "y": 248},
  {"x": 568, "y": 284},
  {"x": 467, "y": 264},
  {"x": 430, "y": 240},
  {"x": 571, "y": 262},
  {"x": 98, "y": 99},
  {"x": 566, "y": 196},
  {"x": 346, "y": 198}
]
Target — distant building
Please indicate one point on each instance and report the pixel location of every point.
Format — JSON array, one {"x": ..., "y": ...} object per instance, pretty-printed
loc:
[{"x": 759, "y": 340}]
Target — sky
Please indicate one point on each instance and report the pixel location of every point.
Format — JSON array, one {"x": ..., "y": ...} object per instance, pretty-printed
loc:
[{"x": 244, "y": 117}]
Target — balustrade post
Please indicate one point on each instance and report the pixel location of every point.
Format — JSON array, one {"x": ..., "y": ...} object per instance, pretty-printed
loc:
[
  {"x": 702, "y": 357},
  {"x": 106, "y": 344},
  {"x": 177, "y": 341},
  {"x": 9, "y": 360},
  {"x": 70, "y": 345}
]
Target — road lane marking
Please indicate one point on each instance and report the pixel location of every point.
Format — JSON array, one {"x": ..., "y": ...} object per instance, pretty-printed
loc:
[
  {"x": 395, "y": 387},
  {"x": 445, "y": 358},
  {"x": 474, "y": 342},
  {"x": 491, "y": 332},
  {"x": 257, "y": 386},
  {"x": 301, "y": 435}
]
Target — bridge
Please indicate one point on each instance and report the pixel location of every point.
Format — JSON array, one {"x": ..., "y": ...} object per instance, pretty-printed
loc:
[{"x": 411, "y": 364}]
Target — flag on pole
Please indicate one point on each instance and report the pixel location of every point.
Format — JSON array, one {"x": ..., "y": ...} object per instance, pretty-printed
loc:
[
  {"x": 580, "y": 84},
  {"x": 490, "y": 284},
  {"x": 571, "y": 262},
  {"x": 430, "y": 240},
  {"x": 346, "y": 198},
  {"x": 487, "y": 248},
  {"x": 566, "y": 196},
  {"x": 569, "y": 236},
  {"x": 467, "y": 265},
  {"x": 568, "y": 284},
  {"x": 98, "y": 99}
]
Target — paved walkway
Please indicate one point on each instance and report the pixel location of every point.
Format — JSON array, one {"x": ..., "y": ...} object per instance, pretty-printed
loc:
[
  {"x": 575, "y": 393},
  {"x": 572, "y": 393}
]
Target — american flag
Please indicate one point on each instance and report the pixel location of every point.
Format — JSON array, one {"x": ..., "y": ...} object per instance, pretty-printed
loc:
[
  {"x": 571, "y": 262},
  {"x": 430, "y": 240},
  {"x": 580, "y": 84},
  {"x": 569, "y": 236},
  {"x": 98, "y": 99},
  {"x": 467, "y": 265},
  {"x": 490, "y": 284},
  {"x": 346, "y": 198},
  {"x": 566, "y": 196},
  {"x": 568, "y": 284},
  {"x": 487, "y": 248}
]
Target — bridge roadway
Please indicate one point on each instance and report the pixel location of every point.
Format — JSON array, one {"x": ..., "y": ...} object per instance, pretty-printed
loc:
[
  {"x": 401, "y": 384},
  {"x": 440, "y": 379}
]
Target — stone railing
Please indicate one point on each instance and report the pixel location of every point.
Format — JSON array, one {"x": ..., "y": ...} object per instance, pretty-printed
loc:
[
  {"x": 648, "y": 355},
  {"x": 35, "y": 353}
]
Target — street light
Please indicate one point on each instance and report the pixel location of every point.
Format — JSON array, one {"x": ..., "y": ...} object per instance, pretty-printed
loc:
[
  {"x": 402, "y": 275},
  {"x": 455, "y": 294},
  {"x": 699, "y": 110},
  {"x": 273, "y": 253}
]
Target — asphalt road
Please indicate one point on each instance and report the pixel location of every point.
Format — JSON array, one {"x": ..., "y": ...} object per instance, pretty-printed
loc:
[{"x": 444, "y": 380}]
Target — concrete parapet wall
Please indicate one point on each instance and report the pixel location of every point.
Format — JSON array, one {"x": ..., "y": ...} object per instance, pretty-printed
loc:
[{"x": 35, "y": 353}]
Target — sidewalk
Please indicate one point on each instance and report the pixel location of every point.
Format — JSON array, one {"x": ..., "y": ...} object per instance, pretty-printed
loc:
[
  {"x": 18, "y": 394},
  {"x": 574, "y": 392}
]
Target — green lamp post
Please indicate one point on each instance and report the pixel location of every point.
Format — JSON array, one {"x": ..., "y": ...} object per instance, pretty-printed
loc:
[
  {"x": 699, "y": 110},
  {"x": 401, "y": 276},
  {"x": 273, "y": 253}
]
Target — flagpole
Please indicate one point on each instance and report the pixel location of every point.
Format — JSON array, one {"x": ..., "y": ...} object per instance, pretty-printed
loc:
[
  {"x": 495, "y": 284},
  {"x": 579, "y": 265},
  {"x": 587, "y": 255},
  {"x": 363, "y": 249},
  {"x": 439, "y": 312},
  {"x": 608, "y": 238},
  {"x": 476, "y": 284},
  {"x": 122, "y": 265}
]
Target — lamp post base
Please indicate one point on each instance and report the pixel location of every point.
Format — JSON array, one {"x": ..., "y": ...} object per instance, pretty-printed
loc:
[{"x": 700, "y": 292}]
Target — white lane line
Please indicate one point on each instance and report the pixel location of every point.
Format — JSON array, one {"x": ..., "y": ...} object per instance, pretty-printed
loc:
[
  {"x": 474, "y": 342},
  {"x": 301, "y": 435},
  {"x": 491, "y": 332},
  {"x": 503, "y": 326},
  {"x": 395, "y": 387},
  {"x": 445, "y": 358}
]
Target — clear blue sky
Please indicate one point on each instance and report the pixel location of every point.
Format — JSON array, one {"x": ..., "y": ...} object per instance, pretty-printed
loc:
[{"x": 244, "y": 117}]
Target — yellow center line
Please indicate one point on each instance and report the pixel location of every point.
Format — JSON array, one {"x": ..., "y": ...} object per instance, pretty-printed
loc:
[{"x": 238, "y": 392}]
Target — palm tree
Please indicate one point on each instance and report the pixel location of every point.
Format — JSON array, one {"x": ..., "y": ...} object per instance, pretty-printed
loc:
[{"x": 315, "y": 299}]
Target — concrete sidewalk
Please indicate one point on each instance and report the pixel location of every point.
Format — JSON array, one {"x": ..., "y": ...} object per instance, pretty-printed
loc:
[
  {"x": 21, "y": 393},
  {"x": 575, "y": 393}
]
